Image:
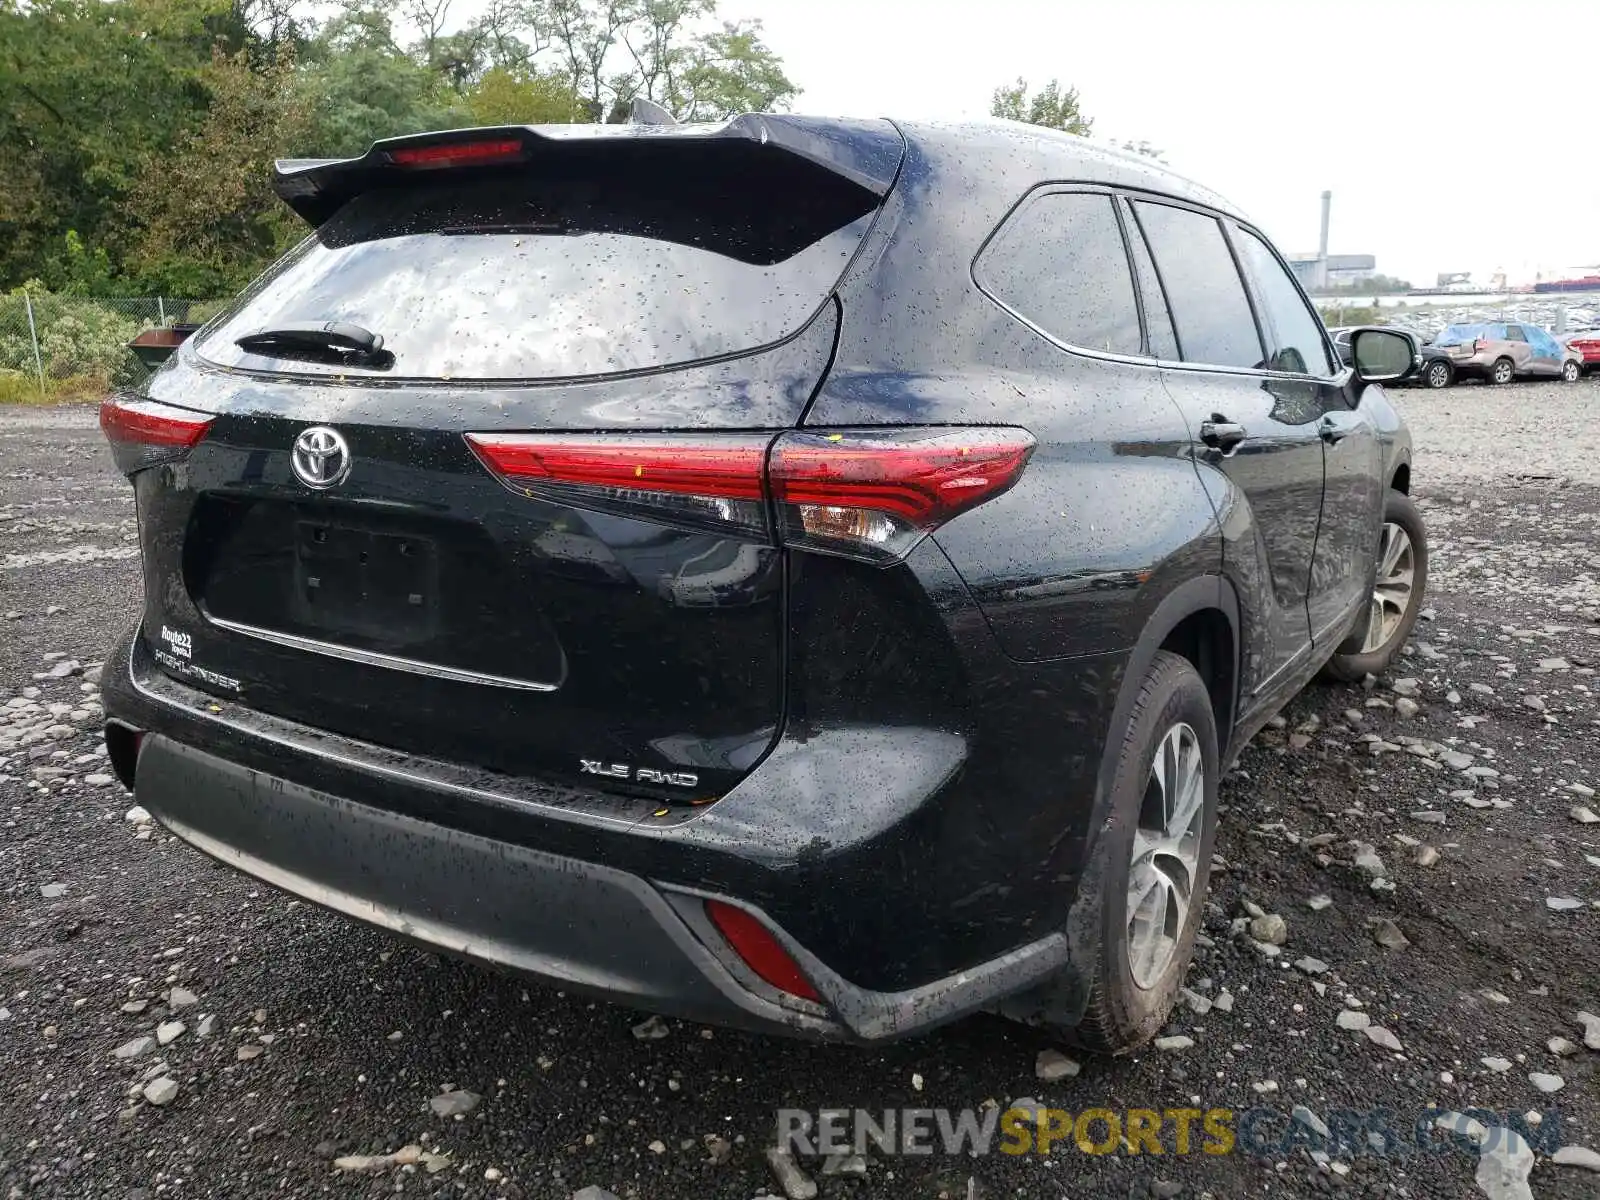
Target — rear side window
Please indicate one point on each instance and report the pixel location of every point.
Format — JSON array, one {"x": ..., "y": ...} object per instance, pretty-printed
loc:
[
  {"x": 1514, "y": 334},
  {"x": 1293, "y": 329},
  {"x": 1059, "y": 263},
  {"x": 1163, "y": 341},
  {"x": 512, "y": 277},
  {"x": 1209, "y": 308}
]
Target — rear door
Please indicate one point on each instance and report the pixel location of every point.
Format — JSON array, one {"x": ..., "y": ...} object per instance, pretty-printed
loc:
[
  {"x": 1308, "y": 384},
  {"x": 1255, "y": 431},
  {"x": 1517, "y": 349},
  {"x": 428, "y": 548}
]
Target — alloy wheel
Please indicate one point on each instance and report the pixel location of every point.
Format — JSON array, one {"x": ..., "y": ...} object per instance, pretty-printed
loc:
[
  {"x": 1166, "y": 854},
  {"x": 1569, "y": 372},
  {"x": 1391, "y": 594},
  {"x": 1502, "y": 372},
  {"x": 1438, "y": 375}
]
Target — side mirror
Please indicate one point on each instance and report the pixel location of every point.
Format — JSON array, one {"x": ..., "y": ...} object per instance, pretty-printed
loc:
[{"x": 1379, "y": 355}]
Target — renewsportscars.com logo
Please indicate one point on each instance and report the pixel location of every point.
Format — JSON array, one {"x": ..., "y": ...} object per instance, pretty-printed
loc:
[{"x": 1258, "y": 1132}]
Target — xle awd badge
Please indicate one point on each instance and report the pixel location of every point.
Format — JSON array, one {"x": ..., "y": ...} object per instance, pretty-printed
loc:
[
  {"x": 321, "y": 457},
  {"x": 591, "y": 766}
]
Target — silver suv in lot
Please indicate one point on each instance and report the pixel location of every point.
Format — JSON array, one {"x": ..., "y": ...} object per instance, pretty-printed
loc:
[{"x": 1500, "y": 353}]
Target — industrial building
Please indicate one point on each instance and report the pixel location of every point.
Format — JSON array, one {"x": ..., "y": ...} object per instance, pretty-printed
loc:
[{"x": 1320, "y": 271}]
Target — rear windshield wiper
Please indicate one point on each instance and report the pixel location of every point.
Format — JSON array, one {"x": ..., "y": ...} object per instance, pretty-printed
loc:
[{"x": 320, "y": 341}]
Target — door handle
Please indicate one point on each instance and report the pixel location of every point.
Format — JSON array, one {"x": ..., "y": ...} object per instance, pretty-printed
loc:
[
  {"x": 1222, "y": 435},
  {"x": 1333, "y": 431}
]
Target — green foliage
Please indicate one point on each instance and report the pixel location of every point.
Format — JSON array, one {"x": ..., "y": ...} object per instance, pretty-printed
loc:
[
  {"x": 78, "y": 339},
  {"x": 1335, "y": 315},
  {"x": 1051, "y": 106},
  {"x": 508, "y": 96},
  {"x": 1377, "y": 285},
  {"x": 136, "y": 136}
]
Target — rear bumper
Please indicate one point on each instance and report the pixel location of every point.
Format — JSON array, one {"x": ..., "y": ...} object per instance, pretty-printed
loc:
[{"x": 591, "y": 896}]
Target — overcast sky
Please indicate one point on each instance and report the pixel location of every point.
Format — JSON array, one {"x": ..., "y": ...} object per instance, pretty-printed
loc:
[{"x": 1448, "y": 132}]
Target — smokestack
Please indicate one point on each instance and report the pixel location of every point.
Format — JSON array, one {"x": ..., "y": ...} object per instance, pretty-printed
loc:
[{"x": 1327, "y": 206}]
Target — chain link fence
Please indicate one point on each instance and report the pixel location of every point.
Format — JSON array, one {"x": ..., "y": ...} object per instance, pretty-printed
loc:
[{"x": 76, "y": 347}]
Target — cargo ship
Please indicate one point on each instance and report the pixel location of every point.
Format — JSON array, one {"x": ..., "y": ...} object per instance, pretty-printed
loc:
[{"x": 1588, "y": 283}]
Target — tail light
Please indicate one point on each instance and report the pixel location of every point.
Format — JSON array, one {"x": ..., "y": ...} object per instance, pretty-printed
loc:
[
  {"x": 868, "y": 494},
  {"x": 760, "y": 949},
  {"x": 1479, "y": 345},
  {"x": 457, "y": 154},
  {"x": 144, "y": 433}
]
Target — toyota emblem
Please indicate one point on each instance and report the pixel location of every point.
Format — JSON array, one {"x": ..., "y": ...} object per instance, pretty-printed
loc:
[{"x": 321, "y": 457}]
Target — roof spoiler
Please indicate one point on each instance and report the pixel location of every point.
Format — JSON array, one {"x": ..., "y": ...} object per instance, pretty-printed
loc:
[{"x": 866, "y": 153}]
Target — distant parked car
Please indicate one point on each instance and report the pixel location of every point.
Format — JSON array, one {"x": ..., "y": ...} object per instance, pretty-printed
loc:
[
  {"x": 1587, "y": 345},
  {"x": 1430, "y": 365},
  {"x": 1501, "y": 353}
]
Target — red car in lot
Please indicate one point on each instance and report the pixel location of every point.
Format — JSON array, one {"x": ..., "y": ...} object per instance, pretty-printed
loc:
[{"x": 1586, "y": 343}]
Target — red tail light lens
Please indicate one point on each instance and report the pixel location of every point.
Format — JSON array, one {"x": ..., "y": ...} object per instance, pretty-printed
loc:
[
  {"x": 143, "y": 433},
  {"x": 760, "y": 949},
  {"x": 875, "y": 494},
  {"x": 715, "y": 480},
  {"x": 1479, "y": 345},
  {"x": 871, "y": 494},
  {"x": 456, "y": 154}
]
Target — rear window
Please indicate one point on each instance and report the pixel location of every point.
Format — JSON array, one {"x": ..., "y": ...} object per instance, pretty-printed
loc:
[{"x": 506, "y": 277}]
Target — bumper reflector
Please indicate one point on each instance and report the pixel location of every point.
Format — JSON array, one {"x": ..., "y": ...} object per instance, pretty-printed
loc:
[{"x": 760, "y": 950}]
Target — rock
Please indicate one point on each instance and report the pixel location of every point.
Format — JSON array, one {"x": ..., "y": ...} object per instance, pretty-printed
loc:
[
  {"x": 1584, "y": 815},
  {"x": 1198, "y": 1004},
  {"x": 1311, "y": 966},
  {"x": 137, "y": 816},
  {"x": 1591, "y": 1030},
  {"x": 1051, "y": 1065},
  {"x": 1429, "y": 816},
  {"x": 160, "y": 1091},
  {"x": 1407, "y": 707},
  {"x": 1319, "y": 902},
  {"x": 1349, "y": 1018},
  {"x": 1455, "y": 759},
  {"x": 1369, "y": 863},
  {"x": 1581, "y": 789},
  {"x": 1302, "y": 1115},
  {"x": 454, "y": 1104},
  {"x": 1546, "y": 1083},
  {"x": 135, "y": 1049},
  {"x": 170, "y": 1031},
  {"x": 1562, "y": 1047},
  {"x": 593, "y": 1192},
  {"x": 246, "y": 1052},
  {"x": 1536, "y": 703},
  {"x": 181, "y": 998},
  {"x": 134, "y": 1007},
  {"x": 1498, "y": 1065},
  {"x": 1576, "y": 1156},
  {"x": 1267, "y": 1087},
  {"x": 795, "y": 1183},
  {"x": 1224, "y": 1001},
  {"x": 1378, "y": 1035},
  {"x": 1270, "y": 928},
  {"x": 1174, "y": 1043},
  {"x": 655, "y": 1147},
  {"x": 652, "y": 1029},
  {"x": 1427, "y": 856},
  {"x": 1387, "y": 934},
  {"x": 208, "y": 1025},
  {"x": 1562, "y": 903},
  {"x": 851, "y": 1165},
  {"x": 1406, "y": 687},
  {"x": 358, "y": 1163},
  {"x": 718, "y": 1149},
  {"x": 53, "y": 891},
  {"x": 1503, "y": 1168}
]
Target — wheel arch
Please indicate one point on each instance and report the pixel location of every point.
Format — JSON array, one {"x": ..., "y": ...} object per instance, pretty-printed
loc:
[{"x": 1198, "y": 619}]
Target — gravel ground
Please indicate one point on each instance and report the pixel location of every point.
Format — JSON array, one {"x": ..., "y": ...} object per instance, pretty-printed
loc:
[{"x": 305, "y": 1038}]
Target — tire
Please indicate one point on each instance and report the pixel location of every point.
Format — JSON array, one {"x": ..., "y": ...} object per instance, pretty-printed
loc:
[
  {"x": 1502, "y": 372},
  {"x": 1438, "y": 374},
  {"x": 1359, "y": 656},
  {"x": 1124, "y": 1012},
  {"x": 1571, "y": 372}
]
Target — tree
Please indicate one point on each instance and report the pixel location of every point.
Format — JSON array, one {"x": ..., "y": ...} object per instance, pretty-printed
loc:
[
  {"x": 205, "y": 217},
  {"x": 517, "y": 97},
  {"x": 1052, "y": 106}
]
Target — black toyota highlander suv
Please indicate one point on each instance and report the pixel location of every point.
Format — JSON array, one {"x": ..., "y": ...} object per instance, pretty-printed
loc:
[{"x": 806, "y": 575}]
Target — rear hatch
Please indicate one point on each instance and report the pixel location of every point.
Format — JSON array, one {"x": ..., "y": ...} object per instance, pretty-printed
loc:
[{"x": 442, "y": 544}]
